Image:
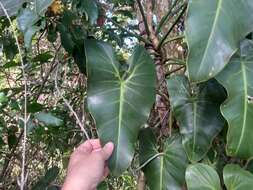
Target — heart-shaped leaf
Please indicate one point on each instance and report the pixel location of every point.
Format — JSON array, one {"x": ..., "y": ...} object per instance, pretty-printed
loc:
[
  {"x": 237, "y": 78},
  {"x": 202, "y": 177},
  {"x": 197, "y": 111},
  {"x": 166, "y": 171},
  {"x": 214, "y": 29},
  {"x": 236, "y": 178},
  {"x": 119, "y": 104}
]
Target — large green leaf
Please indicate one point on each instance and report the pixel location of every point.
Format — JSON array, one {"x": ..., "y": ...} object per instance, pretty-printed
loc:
[
  {"x": 119, "y": 104},
  {"x": 198, "y": 112},
  {"x": 237, "y": 78},
  {"x": 236, "y": 178},
  {"x": 167, "y": 171},
  {"x": 202, "y": 177},
  {"x": 214, "y": 29}
]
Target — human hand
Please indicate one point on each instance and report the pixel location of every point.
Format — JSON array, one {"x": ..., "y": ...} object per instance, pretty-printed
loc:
[{"x": 87, "y": 166}]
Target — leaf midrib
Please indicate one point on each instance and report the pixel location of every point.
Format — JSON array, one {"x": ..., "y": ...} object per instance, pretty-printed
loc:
[
  {"x": 121, "y": 103},
  {"x": 245, "y": 85},
  {"x": 210, "y": 39}
]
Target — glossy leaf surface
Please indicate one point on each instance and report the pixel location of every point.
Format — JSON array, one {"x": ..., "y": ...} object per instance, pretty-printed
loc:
[
  {"x": 202, "y": 177},
  {"x": 167, "y": 171},
  {"x": 197, "y": 113},
  {"x": 214, "y": 29},
  {"x": 237, "y": 178},
  {"x": 237, "y": 78},
  {"x": 119, "y": 104}
]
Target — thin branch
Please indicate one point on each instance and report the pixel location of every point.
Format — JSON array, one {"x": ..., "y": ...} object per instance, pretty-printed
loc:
[
  {"x": 68, "y": 105},
  {"x": 174, "y": 60},
  {"x": 143, "y": 17},
  {"x": 165, "y": 18},
  {"x": 174, "y": 39},
  {"x": 149, "y": 160},
  {"x": 172, "y": 26},
  {"x": 173, "y": 71},
  {"x": 23, "y": 177}
]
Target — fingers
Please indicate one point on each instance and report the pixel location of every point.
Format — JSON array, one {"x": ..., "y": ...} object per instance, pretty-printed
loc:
[
  {"x": 86, "y": 147},
  {"x": 106, "y": 172},
  {"x": 107, "y": 150},
  {"x": 95, "y": 144}
]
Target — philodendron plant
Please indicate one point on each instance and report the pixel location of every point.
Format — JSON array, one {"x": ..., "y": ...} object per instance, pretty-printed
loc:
[
  {"x": 207, "y": 144},
  {"x": 212, "y": 103}
]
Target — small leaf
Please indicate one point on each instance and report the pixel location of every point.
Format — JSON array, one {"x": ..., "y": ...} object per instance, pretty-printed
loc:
[
  {"x": 43, "y": 57},
  {"x": 45, "y": 181},
  {"x": 202, "y": 177},
  {"x": 27, "y": 19},
  {"x": 34, "y": 107},
  {"x": 3, "y": 98},
  {"x": 48, "y": 119},
  {"x": 197, "y": 113},
  {"x": 89, "y": 8},
  {"x": 66, "y": 38},
  {"x": 167, "y": 171},
  {"x": 236, "y": 178}
]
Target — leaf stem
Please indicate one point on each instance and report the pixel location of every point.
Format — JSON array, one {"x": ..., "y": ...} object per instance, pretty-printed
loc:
[
  {"x": 149, "y": 160},
  {"x": 23, "y": 177},
  {"x": 165, "y": 18},
  {"x": 184, "y": 6},
  {"x": 68, "y": 105},
  {"x": 143, "y": 17}
]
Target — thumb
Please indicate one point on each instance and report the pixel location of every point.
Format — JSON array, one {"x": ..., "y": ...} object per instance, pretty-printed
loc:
[{"x": 107, "y": 150}]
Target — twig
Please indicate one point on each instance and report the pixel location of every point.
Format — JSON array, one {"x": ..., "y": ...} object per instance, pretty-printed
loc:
[
  {"x": 149, "y": 160},
  {"x": 173, "y": 71},
  {"x": 172, "y": 26},
  {"x": 143, "y": 17},
  {"x": 165, "y": 18},
  {"x": 23, "y": 178},
  {"x": 174, "y": 39},
  {"x": 68, "y": 104}
]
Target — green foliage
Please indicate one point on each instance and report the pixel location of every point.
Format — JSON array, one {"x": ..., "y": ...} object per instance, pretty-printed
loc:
[
  {"x": 45, "y": 181},
  {"x": 238, "y": 108},
  {"x": 178, "y": 108},
  {"x": 197, "y": 109},
  {"x": 213, "y": 32},
  {"x": 48, "y": 119},
  {"x": 116, "y": 100},
  {"x": 201, "y": 176},
  {"x": 237, "y": 178},
  {"x": 167, "y": 170}
]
